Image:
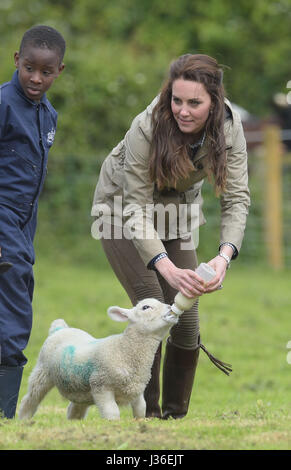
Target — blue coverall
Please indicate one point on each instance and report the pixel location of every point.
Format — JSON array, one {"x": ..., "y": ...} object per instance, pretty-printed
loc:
[{"x": 27, "y": 130}]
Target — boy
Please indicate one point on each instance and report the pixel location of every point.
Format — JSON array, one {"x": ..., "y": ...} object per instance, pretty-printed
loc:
[{"x": 27, "y": 129}]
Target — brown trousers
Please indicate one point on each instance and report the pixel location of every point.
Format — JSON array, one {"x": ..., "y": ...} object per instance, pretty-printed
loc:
[{"x": 140, "y": 283}]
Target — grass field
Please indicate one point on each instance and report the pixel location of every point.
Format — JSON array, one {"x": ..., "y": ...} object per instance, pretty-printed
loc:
[{"x": 246, "y": 324}]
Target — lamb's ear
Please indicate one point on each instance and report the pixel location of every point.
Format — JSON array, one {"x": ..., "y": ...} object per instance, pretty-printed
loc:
[{"x": 118, "y": 313}]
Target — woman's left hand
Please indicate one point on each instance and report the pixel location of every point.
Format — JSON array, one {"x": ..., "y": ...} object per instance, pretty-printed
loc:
[{"x": 219, "y": 265}]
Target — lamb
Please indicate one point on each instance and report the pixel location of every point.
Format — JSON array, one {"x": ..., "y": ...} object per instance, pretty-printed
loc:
[{"x": 109, "y": 371}]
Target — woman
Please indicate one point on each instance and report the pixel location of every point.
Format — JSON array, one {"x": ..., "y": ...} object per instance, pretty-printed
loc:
[{"x": 187, "y": 133}]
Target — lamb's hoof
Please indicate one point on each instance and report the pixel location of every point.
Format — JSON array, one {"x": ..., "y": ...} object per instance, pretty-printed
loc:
[{"x": 4, "y": 266}]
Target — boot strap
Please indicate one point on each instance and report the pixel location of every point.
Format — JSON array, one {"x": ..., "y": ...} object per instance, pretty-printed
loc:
[{"x": 223, "y": 366}]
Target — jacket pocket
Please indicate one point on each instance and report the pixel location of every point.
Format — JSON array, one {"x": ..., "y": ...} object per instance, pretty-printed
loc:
[
  {"x": 117, "y": 164},
  {"x": 118, "y": 153}
]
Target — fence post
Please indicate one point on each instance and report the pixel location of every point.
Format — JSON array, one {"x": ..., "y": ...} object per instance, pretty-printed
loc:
[{"x": 273, "y": 196}]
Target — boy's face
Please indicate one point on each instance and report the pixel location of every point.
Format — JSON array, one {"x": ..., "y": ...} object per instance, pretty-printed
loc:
[{"x": 37, "y": 69}]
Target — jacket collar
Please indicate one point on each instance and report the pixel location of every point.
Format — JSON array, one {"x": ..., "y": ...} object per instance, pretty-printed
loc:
[
  {"x": 195, "y": 147},
  {"x": 16, "y": 83},
  {"x": 202, "y": 147}
]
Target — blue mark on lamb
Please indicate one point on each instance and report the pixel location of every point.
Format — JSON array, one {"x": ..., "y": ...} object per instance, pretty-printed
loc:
[{"x": 74, "y": 374}]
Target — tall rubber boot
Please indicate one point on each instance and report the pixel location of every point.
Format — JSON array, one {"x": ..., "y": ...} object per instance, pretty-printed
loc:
[
  {"x": 152, "y": 390},
  {"x": 10, "y": 380},
  {"x": 178, "y": 377}
]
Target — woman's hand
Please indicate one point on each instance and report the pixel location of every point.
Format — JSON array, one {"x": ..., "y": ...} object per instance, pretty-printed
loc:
[
  {"x": 219, "y": 265},
  {"x": 184, "y": 280}
]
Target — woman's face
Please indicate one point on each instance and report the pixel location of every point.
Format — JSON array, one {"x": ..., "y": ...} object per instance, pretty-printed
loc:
[{"x": 190, "y": 105}]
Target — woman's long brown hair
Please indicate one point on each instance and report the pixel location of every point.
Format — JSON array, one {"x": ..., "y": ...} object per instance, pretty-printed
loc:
[{"x": 169, "y": 149}]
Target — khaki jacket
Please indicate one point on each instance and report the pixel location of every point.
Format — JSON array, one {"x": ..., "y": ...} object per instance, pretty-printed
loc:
[{"x": 126, "y": 197}]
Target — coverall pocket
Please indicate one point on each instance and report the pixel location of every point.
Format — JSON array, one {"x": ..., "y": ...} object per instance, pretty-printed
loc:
[{"x": 19, "y": 176}]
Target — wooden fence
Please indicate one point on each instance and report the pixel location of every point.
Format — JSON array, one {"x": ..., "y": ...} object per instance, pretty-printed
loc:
[{"x": 274, "y": 162}]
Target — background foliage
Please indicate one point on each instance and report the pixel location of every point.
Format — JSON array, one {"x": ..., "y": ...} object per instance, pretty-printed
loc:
[{"x": 118, "y": 54}]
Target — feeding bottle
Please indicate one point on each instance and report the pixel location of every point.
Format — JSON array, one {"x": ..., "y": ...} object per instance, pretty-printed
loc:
[{"x": 182, "y": 303}]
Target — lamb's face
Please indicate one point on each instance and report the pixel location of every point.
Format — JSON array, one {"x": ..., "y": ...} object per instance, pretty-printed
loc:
[
  {"x": 153, "y": 315},
  {"x": 149, "y": 316}
]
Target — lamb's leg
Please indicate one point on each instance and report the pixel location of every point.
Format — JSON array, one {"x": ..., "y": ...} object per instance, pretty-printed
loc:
[
  {"x": 139, "y": 407},
  {"x": 76, "y": 411},
  {"x": 106, "y": 403},
  {"x": 39, "y": 385}
]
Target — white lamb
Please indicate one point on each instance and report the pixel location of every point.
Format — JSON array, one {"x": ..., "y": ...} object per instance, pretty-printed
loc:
[{"x": 109, "y": 371}]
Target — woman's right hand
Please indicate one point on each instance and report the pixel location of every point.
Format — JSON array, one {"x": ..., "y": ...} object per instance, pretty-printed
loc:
[{"x": 185, "y": 281}]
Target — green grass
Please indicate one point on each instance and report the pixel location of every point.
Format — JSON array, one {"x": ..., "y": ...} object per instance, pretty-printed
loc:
[{"x": 247, "y": 324}]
